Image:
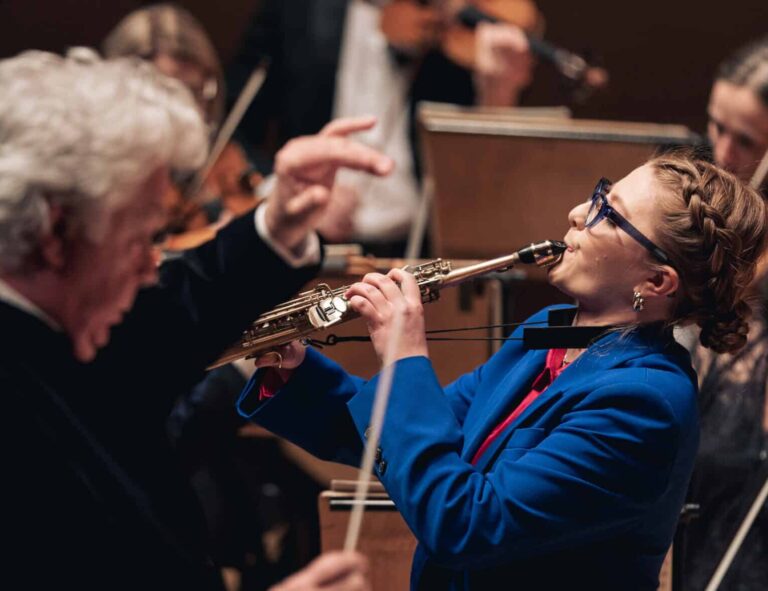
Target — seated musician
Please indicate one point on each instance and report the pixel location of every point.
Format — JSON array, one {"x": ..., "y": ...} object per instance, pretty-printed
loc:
[
  {"x": 738, "y": 110},
  {"x": 97, "y": 342},
  {"x": 558, "y": 469},
  {"x": 202, "y": 425},
  {"x": 733, "y": 455},
  {"x": 178, "y": 45},
  {"x": 345, "y": 58}
]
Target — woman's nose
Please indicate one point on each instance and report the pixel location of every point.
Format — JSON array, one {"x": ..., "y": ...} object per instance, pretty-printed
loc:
[
  {"x": 726, "y": 153},
  {"x": 578, "y": 215}
]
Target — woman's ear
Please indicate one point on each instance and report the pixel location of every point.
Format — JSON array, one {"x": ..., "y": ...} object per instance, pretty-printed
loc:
[
  {"x": 663, "y": 282},
  {"x": 53, "y": 241}
]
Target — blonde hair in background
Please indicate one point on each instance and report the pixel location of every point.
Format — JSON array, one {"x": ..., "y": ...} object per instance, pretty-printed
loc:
[{"x": 171, "y": 30}]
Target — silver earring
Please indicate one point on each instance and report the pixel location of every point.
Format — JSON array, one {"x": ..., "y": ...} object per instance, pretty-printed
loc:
[{"x": 638, "y": 301}]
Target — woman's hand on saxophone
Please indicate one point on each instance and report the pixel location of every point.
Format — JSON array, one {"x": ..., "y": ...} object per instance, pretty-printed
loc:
[
  {"x": 305, "y": 171},
  {"x": 283, "y": 359},
  {"x": 377, "y": 297}
]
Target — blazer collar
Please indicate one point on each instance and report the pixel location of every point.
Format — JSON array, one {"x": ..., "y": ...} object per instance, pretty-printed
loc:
[
  {"x": 612, "y": 349},
  {"x": 505, "y": 397}
]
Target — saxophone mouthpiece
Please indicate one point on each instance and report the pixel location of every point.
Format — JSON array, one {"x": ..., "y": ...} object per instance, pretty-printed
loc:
[
  {"x": 543, "y": 254},
  {"x": 558, "y": 246}
]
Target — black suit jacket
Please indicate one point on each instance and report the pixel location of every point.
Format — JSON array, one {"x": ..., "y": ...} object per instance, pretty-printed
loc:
[
  {"x": 302, "y": 39},
  {"x": 93, "y": 497}
]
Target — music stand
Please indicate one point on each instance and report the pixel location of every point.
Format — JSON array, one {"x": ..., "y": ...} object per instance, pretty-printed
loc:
[{"x": 385, "y": 537}]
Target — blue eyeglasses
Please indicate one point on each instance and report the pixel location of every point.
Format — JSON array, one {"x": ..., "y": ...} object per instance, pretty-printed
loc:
[{"x": 600, "y": 209}]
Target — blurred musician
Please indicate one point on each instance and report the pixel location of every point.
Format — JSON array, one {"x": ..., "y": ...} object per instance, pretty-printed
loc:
[
  {"x": 178, "y": 45},
  {"x": 738, "y": 110},
  {"x": 228, "y": 473},
  {"x": 733, "y": 454},
  {"x": 354, "y": 57}
]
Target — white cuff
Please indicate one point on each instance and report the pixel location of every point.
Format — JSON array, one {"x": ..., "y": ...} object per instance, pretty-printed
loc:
[{"x": 308, "y": 253}]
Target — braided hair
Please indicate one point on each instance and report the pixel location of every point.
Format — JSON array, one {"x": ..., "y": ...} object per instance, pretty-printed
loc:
[{"x": 713, "y": 228}]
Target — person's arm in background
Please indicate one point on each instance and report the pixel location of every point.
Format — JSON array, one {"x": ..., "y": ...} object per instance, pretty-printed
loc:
[
  {"x": 503, "y": 65},
  {"x": 503, "y": 68}
]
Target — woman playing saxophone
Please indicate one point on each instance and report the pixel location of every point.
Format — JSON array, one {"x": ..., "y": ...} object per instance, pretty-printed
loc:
[{"x": 560, "y": 468}]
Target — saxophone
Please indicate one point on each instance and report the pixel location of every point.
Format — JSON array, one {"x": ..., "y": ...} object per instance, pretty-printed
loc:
[{"x": 322, "y": 306}]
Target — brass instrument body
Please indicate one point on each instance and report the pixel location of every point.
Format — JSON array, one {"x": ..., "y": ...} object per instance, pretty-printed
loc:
[{"x": 322, "y": 306}]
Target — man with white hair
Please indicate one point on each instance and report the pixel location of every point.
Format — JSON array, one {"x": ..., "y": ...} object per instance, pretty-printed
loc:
[{"x": 92, "y": 497}]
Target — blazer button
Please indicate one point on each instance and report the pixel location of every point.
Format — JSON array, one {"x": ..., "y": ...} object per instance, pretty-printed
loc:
[
  {"x": 378, "y": 454},
  {"x": 382, "y": 467},
  {"x": 367, "y": 433}
]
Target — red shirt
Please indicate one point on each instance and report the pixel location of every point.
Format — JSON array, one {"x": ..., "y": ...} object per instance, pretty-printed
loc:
[
  {"x": 553, "y": 367},
  {"x": 271, "y": 382}
]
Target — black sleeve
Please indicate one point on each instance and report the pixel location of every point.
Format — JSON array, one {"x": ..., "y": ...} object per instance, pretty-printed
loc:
[
  {"x": 205, "y": 423},
  {"x": 201, "y": 305}
]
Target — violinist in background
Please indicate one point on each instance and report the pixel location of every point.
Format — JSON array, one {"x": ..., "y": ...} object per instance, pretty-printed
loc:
[
  {"x": 178, "y": 45},
  {"x": 738, "y": 111},
  {"x": 333, "y": 58},
  {"x": 733, "y": 456},
  {"x": 228, "y": 473}
]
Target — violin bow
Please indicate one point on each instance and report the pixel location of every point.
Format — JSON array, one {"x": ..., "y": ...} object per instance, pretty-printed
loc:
[
  {"x": 250, "y": 90},
  {"x": 762, "y": 170},
  {"x": 741, "y": 534},
  {"x": 380, "y": 401}
]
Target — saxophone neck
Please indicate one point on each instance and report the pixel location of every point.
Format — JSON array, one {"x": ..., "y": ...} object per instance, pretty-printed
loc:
[{"x": 541, "y": 254}]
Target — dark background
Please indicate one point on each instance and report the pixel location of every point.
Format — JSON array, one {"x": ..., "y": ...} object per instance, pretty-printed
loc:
[{"x": 661, "y": 54}]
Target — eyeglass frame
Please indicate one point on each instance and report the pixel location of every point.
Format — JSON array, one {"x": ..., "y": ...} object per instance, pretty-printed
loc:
[{"x": 606, "y": 211}]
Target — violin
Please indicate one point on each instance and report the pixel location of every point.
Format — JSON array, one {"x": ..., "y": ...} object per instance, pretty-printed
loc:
[
  {"x": 228, "y": 191},
  {"x": 223, "y": 188},
  {"x": 233, "y": 181},
  {"x": 414, "y": 25}
]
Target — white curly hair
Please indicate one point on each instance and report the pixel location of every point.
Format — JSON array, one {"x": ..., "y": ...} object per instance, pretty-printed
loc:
[{"x": 84, "y": 133}]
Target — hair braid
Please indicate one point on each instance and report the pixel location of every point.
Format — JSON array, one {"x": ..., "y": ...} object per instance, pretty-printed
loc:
[{"x": 714, "y": 232}]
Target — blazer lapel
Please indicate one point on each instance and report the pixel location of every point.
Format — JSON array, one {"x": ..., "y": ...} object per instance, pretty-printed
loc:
[
  {"x": 609, "y": 351},
  {"x": 549, "y": 396},
  {"x": 505, "y": 396}
]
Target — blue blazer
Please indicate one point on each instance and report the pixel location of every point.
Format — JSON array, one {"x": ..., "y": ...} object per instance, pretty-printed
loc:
[{"x": 583, "y": 490}]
